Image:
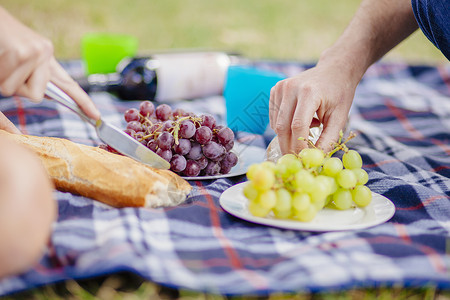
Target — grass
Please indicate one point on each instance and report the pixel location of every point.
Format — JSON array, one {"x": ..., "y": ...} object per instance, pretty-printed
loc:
[
  {"x": 129, "y": 286},
  {"x": 282, "y": 30}
]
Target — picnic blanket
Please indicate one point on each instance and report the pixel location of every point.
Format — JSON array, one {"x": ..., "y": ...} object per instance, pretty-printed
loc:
[{"x": 402, "y": 116}]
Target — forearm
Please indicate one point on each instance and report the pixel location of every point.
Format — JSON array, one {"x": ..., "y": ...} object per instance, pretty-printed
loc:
[
  {"x": 27, "y": 208},
  {"x": 377, "y": 27},
  {"x": 327, "y": 91}
]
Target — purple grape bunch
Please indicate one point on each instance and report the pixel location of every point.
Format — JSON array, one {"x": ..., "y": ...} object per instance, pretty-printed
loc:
[{"x": 194, "y": 145}]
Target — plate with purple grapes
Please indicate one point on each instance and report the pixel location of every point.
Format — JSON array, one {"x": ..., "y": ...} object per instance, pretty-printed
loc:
[{"x": 196, "y": 147}]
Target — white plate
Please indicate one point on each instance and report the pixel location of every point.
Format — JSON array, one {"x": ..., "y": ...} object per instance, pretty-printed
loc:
[
  {"x": 378, "y": 211},
  {"x": 247, "y": 155}
]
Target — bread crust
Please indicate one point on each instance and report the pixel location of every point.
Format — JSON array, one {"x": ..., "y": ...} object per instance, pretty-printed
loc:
[{"x": 110, "y": 178}]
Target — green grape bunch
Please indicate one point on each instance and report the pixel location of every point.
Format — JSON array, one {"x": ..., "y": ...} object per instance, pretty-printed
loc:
[{"x": 299, "y": 185}]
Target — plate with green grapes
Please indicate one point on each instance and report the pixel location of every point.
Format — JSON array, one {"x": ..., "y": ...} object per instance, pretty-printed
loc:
[{"x": 377, "y": 212}]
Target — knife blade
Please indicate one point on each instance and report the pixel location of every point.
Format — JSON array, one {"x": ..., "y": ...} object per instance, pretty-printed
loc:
[{"x": 108, "y": 133}]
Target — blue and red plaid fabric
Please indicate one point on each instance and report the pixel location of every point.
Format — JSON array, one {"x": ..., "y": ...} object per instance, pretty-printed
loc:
[{"x": 402, "y": 115}]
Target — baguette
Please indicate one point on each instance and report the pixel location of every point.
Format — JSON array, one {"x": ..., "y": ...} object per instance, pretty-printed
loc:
[{"x": 110, "y": 178}]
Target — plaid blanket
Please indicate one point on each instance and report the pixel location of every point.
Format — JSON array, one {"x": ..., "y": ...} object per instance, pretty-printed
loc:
[{"x": 402, "y": 115}]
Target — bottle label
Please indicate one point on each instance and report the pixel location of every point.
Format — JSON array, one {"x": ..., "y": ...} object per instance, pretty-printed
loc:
[{"x": 190, "y": 75}]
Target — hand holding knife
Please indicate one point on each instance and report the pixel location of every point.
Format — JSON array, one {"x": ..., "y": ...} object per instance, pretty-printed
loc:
[{"x": 110, "y": 134}]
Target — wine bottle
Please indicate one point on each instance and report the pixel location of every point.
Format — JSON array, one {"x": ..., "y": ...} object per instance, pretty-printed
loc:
[{"x": 165, "y": 77}]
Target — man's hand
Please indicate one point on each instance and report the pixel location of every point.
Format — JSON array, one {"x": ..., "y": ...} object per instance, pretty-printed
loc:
[
  {"x": 27, "y": 64},
  {"x": 328, "y": 89},
  {"x": 323, "y": 90}
]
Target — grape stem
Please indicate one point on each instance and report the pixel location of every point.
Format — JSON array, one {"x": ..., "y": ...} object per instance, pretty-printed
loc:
[
  {"x": 341, "y": 145},
  {"x": 146, "y": 120},
  {"x": 310, "y": 143},
  {"x": 176, "y": 128},
  {"x": 173, "y": 130},
  {"x": 155, "y": 133}
]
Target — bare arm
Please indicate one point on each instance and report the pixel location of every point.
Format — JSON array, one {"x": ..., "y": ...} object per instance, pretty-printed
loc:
[
  {"x": 377, "y": 27},
  {"x": 27, "y": 208},
  {"x": 328, "y": 89}
]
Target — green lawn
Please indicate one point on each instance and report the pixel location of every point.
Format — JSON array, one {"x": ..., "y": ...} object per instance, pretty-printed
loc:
[
  {"x": 282, "y": 29},
  {"x": 128, "y": 286}
]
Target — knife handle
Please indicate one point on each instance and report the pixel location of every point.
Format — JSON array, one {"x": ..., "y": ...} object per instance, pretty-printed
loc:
[{"x": 55, "y": 93}]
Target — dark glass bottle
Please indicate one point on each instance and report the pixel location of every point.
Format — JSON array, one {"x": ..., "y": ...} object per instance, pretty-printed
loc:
[
  {"x": 165, "y": 77},
  {"x": 135, "y": 80}
]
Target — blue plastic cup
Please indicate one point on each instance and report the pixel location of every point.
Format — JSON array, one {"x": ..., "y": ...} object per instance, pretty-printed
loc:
[{"x": 247, "y": 94}]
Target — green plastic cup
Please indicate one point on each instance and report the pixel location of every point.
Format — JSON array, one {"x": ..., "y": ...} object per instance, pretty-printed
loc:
[{"x": 101, "y": 52}]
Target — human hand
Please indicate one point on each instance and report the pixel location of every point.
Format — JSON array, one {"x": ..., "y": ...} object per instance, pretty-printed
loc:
[
  {"x": 328, "y": 89},
  {"x": 27, "y": 64},
  {"x": 7, "y": 125},
  {"x": 324, "y": 90}
]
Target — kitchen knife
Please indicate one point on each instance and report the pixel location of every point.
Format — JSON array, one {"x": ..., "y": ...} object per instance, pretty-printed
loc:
[{"x": 110, "y": 134}]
